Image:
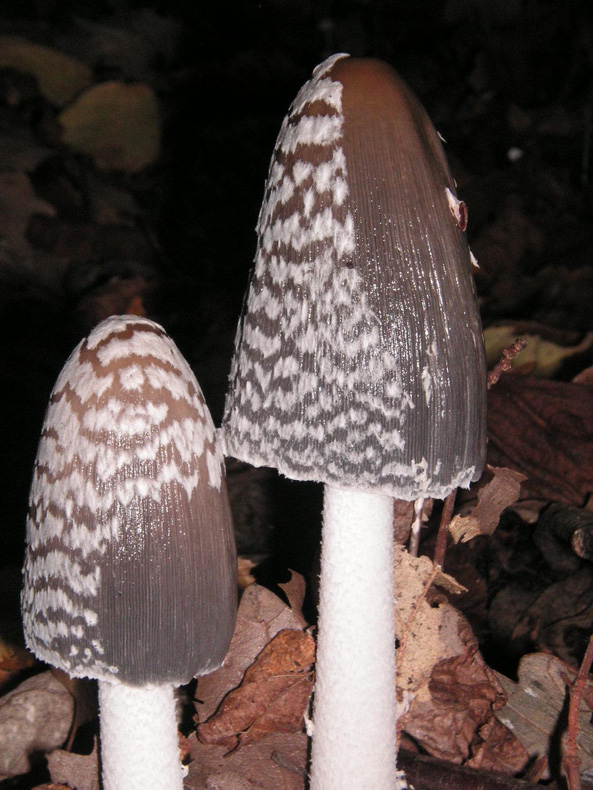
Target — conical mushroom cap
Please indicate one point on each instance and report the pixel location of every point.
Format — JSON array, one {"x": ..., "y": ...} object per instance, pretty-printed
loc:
[
  {"x": 130, "y": 569},
  {"x": 359, "y": 359}
]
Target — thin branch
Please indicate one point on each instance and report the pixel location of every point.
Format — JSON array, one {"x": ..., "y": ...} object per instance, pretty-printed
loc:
[
  {"x": 571, "y": 760},
  {"x": 504, "y": 365},
  {"x": 441, "y": 541}
]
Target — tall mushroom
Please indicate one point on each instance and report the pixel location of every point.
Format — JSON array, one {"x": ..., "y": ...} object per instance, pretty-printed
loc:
[
  {"x": 130, "y": 567},
  {"x": 359, "y": 363}
]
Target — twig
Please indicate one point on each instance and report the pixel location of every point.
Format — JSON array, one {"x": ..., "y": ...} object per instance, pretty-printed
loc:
[
  {"x": 441, "y": 541},
  {"x": 504, "y": 365},
  {"x": 416, "y": 526},
  {"x": 571, "y": 760}
]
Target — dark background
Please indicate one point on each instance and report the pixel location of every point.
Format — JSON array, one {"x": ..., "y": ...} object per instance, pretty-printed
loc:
[{"x": 493, "y": 75}]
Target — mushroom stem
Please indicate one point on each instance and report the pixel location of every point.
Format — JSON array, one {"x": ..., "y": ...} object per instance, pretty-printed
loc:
[
  {"x": 355, "y": 704},
  {"x": 139, "y": 743}
]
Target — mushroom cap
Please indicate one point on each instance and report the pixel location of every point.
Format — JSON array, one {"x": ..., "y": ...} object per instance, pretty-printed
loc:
[
  {"x": 359, "y": 358},
  {"x": 130, "y": 569}
]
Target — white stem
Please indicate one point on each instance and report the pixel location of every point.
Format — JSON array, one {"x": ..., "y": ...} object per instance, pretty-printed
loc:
[
  {"x": 139, "y": 743},
  {"x": 354, "y": 738}
]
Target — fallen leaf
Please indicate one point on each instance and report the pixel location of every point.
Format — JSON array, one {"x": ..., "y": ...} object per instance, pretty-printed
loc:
[
  {"x": 244, "y": 576},
  {"x": 272, "y": 697},
  {"x": 13, "y": 660},
  {"x": 563, "y": 535},
  {"x": 498, "y": 749},
  {"x": 560, "y": 619},
  {"x": 35, "y": 718},
  {"x": 75, "y": 770},
  {"x": 260, "y": 617},
  {"x": 584, "y": 377},
  {"x": 543, "y": 429},
  {"x": 441, "y": 677},
  {"x": 276, "y": 761},
  {"x": 60, "y": 77},
  {"x": 118, "y": 125},
  {"x": 294, "y": 590},
  {"x": 497, "y": 490},
  {"x": 535, "y": 708}
]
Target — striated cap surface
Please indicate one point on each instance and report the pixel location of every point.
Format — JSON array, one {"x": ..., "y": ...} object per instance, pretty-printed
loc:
[
  {"x": 130, "y": 564},
  {"x": 359, "y": 358}
]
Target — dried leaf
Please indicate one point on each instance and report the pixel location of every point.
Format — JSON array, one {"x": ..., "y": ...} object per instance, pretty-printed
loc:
[
  {"x": 494, "y": 495},
  {"x": 440, "y": 672},
  {"x": 60, "y": 77},
  {"x": 543, "y": 429},
  {"x": 35, "y": 717},
  {"x": 448, "y": 583},
  {"x": 295, "y": 592},
  {"x": 459, "y": 698},
  {"x": 426, "y": 634},
  {"x": 75, "y": 770},
  {"x": 13, "y": 659},
  {"x": 272, "y": 697},
  {"x": 52, "y": 786},
  {"x": 556, "y": 619},
  {"x": 584, "y": 377},
  {"x": 261, "y": 616},
  {"x": 498, "y": 750},
  {"x": 118, "y": 125},
  {"x": 276, "y": 761},
  {"x": 535, "y": 706},
  {"x": 427, "y": 773},
  {"x": 244, "y": 576}
]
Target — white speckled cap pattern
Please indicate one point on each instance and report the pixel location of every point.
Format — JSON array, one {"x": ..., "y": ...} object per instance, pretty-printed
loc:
[
  {"x": 359, "y": 359},
  {"x": 130, "y": 564}
]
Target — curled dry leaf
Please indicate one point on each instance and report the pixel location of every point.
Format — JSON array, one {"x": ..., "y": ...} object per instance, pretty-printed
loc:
[
  {"x": 543, "y": 429},
  {"x": 272, "y": 697},
  {"x": 260, "y": 617},
  {"x": 441, "y": 674},
  {"x": 497, "y": 490},
  {"x": 244, "y": 576},
  {"x": 294, "y": 590},
  {"x": 497, "y": 749}
]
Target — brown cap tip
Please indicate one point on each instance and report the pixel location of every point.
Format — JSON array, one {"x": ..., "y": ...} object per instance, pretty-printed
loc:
[{"x": 360, "y": 358}]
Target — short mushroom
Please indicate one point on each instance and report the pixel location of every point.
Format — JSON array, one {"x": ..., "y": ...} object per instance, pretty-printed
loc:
[
  {"x": 359, "y": 363},
  {"x": 130, "y": 569}
]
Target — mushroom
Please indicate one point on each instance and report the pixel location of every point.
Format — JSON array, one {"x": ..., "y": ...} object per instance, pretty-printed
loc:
[
  {"x": 130, "y": 569},
  {"x": 359, "y": 363}
]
